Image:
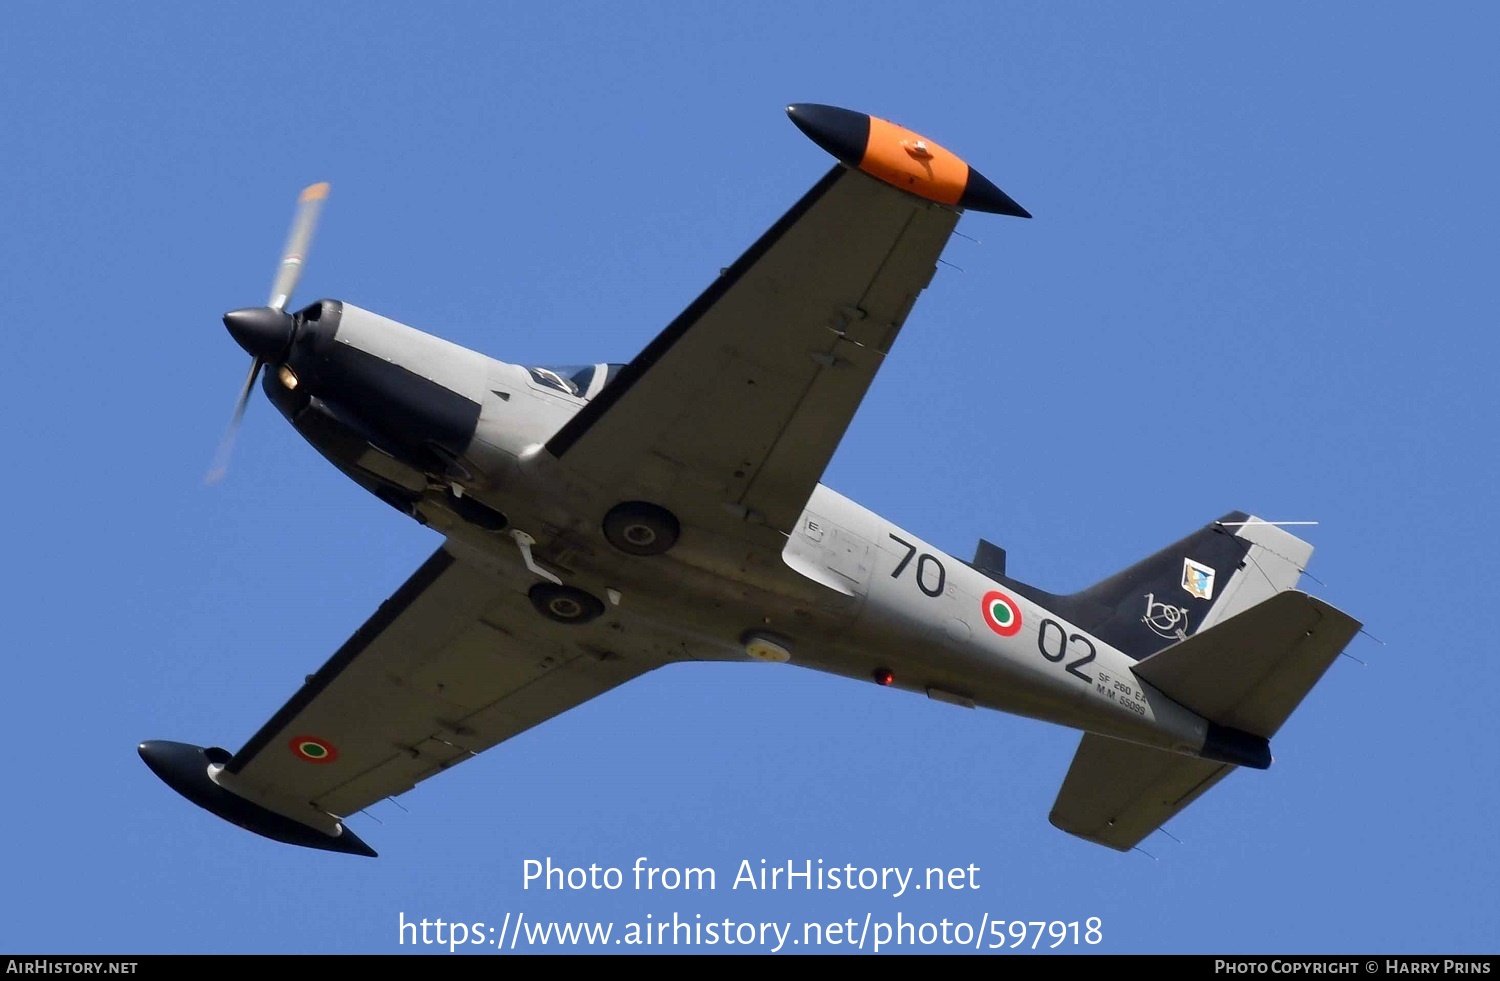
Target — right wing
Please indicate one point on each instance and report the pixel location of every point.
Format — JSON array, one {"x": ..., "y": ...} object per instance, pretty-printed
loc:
[{"x": 453, "y": 663}]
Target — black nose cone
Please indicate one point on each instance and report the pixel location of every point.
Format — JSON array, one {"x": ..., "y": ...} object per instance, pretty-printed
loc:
[{"x": 264, "y": 332}]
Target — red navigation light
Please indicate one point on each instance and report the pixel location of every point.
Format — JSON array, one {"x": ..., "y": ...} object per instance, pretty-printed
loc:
[{"x": 884, "y": 677}]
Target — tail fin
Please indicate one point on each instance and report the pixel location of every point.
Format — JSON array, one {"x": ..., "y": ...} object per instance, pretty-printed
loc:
[
  {"x": 1223, "y": 568},
  {"x": 1244, "y": 675}
]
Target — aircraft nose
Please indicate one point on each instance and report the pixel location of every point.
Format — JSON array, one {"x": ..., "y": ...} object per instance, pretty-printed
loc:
[{"x": 264, "y": 332}]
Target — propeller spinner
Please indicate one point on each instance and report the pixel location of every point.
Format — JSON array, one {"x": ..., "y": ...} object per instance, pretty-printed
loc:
[{"x": 266, "y": 332}]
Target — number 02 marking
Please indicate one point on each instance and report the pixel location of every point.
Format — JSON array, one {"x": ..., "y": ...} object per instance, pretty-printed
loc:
[{"x": 1061, "y": 643}]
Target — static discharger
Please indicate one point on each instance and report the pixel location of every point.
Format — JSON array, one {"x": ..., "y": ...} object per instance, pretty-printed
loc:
[{"x": 901, "y": 158}]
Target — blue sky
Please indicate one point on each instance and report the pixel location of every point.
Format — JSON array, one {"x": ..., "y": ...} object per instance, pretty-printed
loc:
[{"x": 1260, "y": 276}]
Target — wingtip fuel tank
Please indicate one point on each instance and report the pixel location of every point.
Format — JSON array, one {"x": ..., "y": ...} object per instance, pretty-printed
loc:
[{"x": 901, "y": 158}]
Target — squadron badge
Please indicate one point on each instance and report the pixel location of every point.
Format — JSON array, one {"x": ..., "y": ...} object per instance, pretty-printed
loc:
[{"x": 1197, "y": 579}]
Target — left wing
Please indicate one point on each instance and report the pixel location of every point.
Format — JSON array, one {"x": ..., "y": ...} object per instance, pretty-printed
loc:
[
  {"x": 735, "y": 409},
  {"x": 733, "y": 412}
]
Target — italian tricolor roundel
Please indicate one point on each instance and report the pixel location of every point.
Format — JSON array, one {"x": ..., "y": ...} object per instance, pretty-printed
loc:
[
  {"x": 314, "y": 750},
  {"x": 1001, "y": 613}
]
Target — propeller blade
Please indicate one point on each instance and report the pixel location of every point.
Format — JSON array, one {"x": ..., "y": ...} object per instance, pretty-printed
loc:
[
  {"x": 309, "y": 205},
  {"x": 261, "y": 333},
  {"x": 226, "y": 445}
]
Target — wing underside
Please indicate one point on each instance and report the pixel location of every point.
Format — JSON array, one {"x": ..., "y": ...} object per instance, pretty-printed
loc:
[
  {"x": 453, "y": 663},
  {"x": 734, "y": 411}
]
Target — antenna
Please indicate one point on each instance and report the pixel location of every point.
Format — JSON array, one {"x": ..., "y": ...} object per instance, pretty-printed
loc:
[{"x": 1262, "y": 521}]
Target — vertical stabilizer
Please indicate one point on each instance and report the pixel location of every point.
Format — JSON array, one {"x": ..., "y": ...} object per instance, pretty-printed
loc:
[{"x": 1223, "y": 568}]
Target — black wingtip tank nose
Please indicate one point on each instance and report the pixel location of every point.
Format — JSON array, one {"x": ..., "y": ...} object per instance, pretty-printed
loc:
[{"x": 844, "y": 133}]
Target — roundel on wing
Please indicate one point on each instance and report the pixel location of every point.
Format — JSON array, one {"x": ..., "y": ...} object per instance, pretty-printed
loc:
[
  {"x": 313, "y": 750},
  {"x": 1001, "y": 613}
]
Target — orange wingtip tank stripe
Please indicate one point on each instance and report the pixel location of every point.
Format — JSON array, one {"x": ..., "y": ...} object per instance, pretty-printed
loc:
[
  {"x": 903, "y": 159},
  {"x": 315, "y": 193}
]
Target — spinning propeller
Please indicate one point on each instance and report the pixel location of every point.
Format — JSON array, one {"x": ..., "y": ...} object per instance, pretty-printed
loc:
[{"x": 266, "y": 332}]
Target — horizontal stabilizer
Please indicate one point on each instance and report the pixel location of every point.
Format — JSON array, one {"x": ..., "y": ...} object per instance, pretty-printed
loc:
[
  {"x": 1251, "y": 671},
  {"x": 1245, "y": 675},
  {"x": 1116, "y": 793}
]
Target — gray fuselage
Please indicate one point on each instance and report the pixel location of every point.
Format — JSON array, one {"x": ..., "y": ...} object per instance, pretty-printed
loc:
[{"x": 456, "y": 440}]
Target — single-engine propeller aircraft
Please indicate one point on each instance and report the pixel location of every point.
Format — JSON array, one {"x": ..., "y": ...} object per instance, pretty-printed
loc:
[{"x": 603, "y": 520}]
